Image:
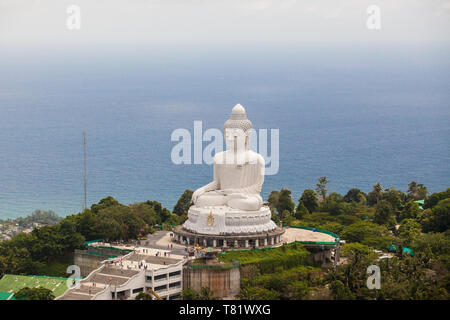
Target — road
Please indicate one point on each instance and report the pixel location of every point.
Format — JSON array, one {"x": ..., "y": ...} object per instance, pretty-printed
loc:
[{"x": 161, "y": 240}]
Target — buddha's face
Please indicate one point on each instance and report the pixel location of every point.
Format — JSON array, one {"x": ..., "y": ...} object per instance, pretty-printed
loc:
[{"x": 236, "y": 139}]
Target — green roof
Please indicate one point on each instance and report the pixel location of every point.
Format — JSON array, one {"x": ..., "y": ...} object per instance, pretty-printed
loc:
[
  {"x": 13, "y": 283},
  {"x": 394, "y": 247},
  {"x": 7, "y": 296},
  {"x": 421, "y": 203},
  {"x": 408, "y": 251},
  {"x": 110, "y": 248},
  {"x": 93, "y": 241}
]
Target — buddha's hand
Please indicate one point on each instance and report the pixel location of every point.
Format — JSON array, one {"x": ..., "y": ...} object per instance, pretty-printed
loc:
[
  {"x": 225, "y": 192},
  {"x": 236, "y": 195},
  {"x": 197, "y": 193}
]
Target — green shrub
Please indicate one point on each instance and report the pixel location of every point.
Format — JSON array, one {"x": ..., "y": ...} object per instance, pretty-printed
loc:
[{"x": 268, "y": 260}]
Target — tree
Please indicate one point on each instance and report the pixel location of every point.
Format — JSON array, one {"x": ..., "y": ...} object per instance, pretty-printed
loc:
[
  {"x": 130, "y": 224},
  {"x": 335, "y": 197},
  {"x": 352, "y": 249},
  {"x": 406, "y": 278},
  {"x": 433, "y": 200},
  {"x": 375, "y": 195},
  {"x": 410, "y": 211},
  {"x": 287, "y": 217},
  {"x": 354, "y": 195},
  {"x": 183, "y": 203},
  {"x": 108, "y": 229},
  {"x": 28, "y": 253},
  {"x": 296, "y": 290},
  {"x": 340, "y": 291},
  {"x": 301, "y": 210},
  {"x": 189, "y": 294},
  {"x": 408, "y": 231},
  {"x": 69, "y": 237},
  {"x": 335, "y": 205},
  {"x": 85, "y": 222},
  {"x": 39, "y": 216},
  {"x": 204, "y": 294},
  {"x": 104, "y": 203},
  {"x": 366, "y": 232},
  {"x": 309, "y": 199},
  {"x": 144, "y": 296},
  {"x": 285, "y": 202},
  {"x": 162, "y": 212},
  {"x": 44, "y": 247},
  {"x": 207, "y": 294},
  {"x": 146, "y": 212},
  {"x": 437, "y": 243},
  {"x": 348, "y": 279},
  {"x": 438, "y": 219},
  {"x": 321, "y": 187},
  {"x": 16, "y": 260},
  {"x": 258, "y": 293},
  {"x": 34, "y": 294},
  {"x": 395, "y": 197},
  {"x": 384, "y": 213},
  {"x": 273, "y": 200},
  {"x": 416, "y": 191}
]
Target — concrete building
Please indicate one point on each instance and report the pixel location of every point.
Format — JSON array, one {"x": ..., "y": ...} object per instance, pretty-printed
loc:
[
  {"x": 223, "y": 279},
  {"x": 124, "y": 277},
  {"x": 92, "y": 258}
]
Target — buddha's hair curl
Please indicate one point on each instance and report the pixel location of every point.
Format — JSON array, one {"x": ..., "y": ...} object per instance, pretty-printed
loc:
[{"x": 244, "y": 124}]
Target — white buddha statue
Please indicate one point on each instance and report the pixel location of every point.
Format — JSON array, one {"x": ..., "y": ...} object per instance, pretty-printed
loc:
[
  {"x": 231, "y": 204},
  {"x": 238, "y": 171}
]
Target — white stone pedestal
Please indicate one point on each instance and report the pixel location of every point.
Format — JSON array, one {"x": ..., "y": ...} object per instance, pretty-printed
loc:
[{"x": 223, "y": 220}]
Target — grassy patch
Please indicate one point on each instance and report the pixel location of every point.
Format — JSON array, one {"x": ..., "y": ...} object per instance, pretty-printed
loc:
[{"x": 14, "y": 283}]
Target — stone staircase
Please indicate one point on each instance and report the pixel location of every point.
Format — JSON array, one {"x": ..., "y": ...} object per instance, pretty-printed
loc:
[{"x": 97, "y": 282}]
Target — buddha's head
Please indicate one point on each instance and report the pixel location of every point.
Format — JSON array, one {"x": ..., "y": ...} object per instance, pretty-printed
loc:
[{"x": 238, "y": 129}]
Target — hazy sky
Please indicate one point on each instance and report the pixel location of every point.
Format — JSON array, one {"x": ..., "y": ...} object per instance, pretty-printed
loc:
[{"x": 230, "y": 23}]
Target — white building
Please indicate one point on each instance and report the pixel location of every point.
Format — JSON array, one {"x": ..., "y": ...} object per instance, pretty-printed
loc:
[{"x": 125, "y": 277}]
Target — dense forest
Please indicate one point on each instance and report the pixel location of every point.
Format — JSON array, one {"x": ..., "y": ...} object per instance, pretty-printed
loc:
[
  {"x": 48, "y": 250},
  {"x": 368, "y": 223}
]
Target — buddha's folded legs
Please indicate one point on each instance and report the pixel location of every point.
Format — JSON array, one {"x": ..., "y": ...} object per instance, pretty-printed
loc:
[
  {"x": 211, "y": 198},
  {"x": 250, "y": 202}
]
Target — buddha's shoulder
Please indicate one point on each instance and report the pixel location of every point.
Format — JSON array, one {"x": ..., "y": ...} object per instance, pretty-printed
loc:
[
  {"x": 220, "y": 156},
  {"x": 255, "y": 157}
]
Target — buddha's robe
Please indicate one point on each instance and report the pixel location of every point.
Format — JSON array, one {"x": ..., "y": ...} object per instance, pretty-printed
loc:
[{"x": 239, "y": 185}]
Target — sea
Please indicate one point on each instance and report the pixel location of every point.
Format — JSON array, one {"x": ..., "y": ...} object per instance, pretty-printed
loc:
[{"x": 357, "y": 115}]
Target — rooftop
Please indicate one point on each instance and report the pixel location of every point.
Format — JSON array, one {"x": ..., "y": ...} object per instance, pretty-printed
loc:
[
  {"x": 6, "y": 296},
  {"x": 12, "y": 283}
]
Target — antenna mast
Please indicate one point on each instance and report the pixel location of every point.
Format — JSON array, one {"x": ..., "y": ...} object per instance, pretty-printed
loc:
[{"x": 84, "y": 171}]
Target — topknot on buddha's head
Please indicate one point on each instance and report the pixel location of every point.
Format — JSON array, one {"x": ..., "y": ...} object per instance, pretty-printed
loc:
[{"x": 238, "y": 119}]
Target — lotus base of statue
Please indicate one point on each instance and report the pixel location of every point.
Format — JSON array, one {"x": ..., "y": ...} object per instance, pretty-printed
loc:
[{"x": 223, "y": 220}]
